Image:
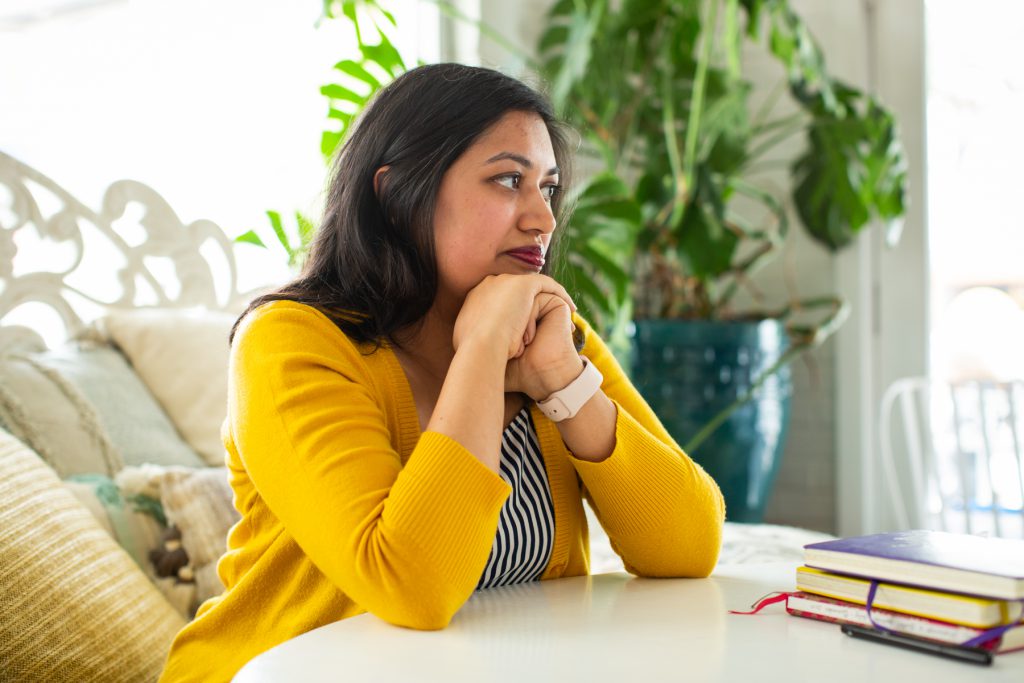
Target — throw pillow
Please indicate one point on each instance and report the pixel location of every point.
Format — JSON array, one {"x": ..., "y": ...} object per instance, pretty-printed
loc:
[
  {"x": 52, "y": 416},
  {"x": 137, "y": 523},
  {"x": 84, "y": 410},
  {"x": 199, "y": 503},
  {"x": 137, "y": 425},
  {"x": 182, "y": 356},
  {"x": 75, "y": 607}
]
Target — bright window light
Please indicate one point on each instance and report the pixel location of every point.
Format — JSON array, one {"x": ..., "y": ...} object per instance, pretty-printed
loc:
[
  {"x": 975, "y": 143},
  {"x": 213, "y": 103}
]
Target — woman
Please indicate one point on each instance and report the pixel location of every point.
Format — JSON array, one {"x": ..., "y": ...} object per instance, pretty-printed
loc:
[{"x": 410, "y": 419}]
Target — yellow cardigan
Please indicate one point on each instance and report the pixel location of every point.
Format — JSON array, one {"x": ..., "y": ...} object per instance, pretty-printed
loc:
[{"x": 347, "y": 508}]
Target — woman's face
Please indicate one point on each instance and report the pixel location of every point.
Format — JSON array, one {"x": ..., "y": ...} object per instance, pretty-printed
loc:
[{"x": 493, "y": 211}]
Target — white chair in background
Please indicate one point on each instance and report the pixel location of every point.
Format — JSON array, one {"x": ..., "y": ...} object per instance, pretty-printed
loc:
[{"x": 952, "y": 455}]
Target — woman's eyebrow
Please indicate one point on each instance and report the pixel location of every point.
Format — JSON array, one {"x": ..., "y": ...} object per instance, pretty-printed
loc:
[{"x": 519, "y": 159}]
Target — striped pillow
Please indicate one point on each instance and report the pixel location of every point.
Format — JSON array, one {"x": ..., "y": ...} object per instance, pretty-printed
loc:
[{"x": 75, "y": 606}]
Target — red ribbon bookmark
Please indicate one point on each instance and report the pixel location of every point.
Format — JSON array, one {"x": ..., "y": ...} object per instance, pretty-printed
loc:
[
  {"x": 761, "y": 603},
  {"x": 984, "y": 639}
]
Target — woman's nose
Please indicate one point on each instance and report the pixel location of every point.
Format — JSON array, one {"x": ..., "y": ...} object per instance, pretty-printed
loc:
[{"x": 538, "y": 214}]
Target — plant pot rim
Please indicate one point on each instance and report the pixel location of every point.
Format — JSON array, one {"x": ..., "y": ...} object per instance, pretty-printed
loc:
[{"x": 746, "y": 320}]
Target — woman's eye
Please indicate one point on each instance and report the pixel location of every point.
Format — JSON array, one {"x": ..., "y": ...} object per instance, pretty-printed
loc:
[
  {"x": 551, "y": 191},
  {"x": 511, "y": 181}
]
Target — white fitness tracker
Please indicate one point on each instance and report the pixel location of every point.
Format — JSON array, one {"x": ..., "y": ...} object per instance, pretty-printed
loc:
[{"x": 565, "y": 403}]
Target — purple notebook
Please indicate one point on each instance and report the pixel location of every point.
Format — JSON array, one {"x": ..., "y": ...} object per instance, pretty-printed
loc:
[{"x": 931, "y": 559}]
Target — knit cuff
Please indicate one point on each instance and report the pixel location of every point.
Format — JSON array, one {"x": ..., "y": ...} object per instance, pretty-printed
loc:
[
  {"x": 640, "y": 480},
  {"x": 448, "y": 503}
]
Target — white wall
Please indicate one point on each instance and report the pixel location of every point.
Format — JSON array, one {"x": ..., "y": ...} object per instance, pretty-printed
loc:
[{"x": 889, "y": 338}]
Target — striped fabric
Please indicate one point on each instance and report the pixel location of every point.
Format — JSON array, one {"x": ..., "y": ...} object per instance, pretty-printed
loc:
[{"x": 526, "y": 526}]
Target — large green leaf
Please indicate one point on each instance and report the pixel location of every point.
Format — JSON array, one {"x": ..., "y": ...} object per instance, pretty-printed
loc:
[
  {"x": 575, "y": 55},
  {"x": 853, "y": 169},
  {"x": 726, "y": 122},
  {"x": 605, "y": 211},
  {"x": 601, "y": 237},
  {"x": 340, "y": 92},
  {"x": 250, "y": 237},
  {"x": 705, "y": 242},
  {"x": 358, "y": 71},
  {"x": 346, "y": 99}
]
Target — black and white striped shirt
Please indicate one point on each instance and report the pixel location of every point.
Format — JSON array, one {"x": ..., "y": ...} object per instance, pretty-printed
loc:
[{"x": 526, "y": 525}]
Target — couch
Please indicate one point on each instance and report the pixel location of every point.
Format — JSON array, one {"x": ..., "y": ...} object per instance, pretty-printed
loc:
[{"x": 114, "y": 503}]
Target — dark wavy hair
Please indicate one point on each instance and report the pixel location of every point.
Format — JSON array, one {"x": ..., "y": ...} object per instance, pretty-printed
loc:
[{"x": 371, "y": 266}]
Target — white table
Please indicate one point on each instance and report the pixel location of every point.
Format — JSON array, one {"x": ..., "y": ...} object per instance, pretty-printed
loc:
[{"x": 612, "y": 627}]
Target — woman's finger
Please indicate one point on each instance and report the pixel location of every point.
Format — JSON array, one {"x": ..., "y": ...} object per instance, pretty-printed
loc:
[
  {"x": 546, "y": 303},
  {"x": 548, "y": 285}
]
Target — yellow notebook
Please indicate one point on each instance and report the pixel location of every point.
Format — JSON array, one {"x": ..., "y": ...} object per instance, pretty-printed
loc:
[{"x": 953, "y": 607}]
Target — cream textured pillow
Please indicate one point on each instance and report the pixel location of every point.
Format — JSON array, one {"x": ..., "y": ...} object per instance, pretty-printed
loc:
[
  {"x": 182, "y": 356},
  {"x": 85, "y": 411},
  {"x": 75, "y": 607},
  {"x": 54, "y": 418},
  {"x": 137, "y": 524},
  {"x": 199, "y": 503},
  {"x": 133, "y": 526}
]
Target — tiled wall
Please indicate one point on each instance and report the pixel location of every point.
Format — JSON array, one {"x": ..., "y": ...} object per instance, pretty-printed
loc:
[{"x": 805, "y": 488}]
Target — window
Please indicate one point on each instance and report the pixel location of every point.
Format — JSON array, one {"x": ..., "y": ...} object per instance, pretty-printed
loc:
[
  {"x": 213, "y": 103},
  {"x": 975, "y": 148}
]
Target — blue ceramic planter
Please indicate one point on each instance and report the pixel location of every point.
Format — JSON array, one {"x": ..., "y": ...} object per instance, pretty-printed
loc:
[{"x": 688, "y": 371}]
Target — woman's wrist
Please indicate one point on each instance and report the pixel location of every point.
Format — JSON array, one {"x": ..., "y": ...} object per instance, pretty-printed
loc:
[
  {"x": 590, "y": 435},
  {"x": 558, "y": 377},
  {"x": 484, "y": 351}
]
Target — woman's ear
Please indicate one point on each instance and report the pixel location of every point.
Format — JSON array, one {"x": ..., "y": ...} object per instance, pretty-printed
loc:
[{"x": 379, "y": 177}]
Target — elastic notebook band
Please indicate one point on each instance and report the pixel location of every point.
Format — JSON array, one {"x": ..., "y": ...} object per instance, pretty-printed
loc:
[
  {"x": 996, "y": 632},
  {"x": 761, "y": 603},
  {"x": 977, "y": 641},
  {"x": 871, "y": 601}
]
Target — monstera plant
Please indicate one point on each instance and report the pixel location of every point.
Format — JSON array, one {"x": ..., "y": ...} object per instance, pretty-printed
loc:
[
  {"x": 678, "y": 218},
  {"x": 674, "y": 216}
]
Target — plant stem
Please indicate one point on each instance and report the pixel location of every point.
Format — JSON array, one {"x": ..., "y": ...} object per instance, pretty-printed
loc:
[
  {"x": 764, "y": 128},
  {"x": 699, "y": 86},
  {"x": 768, "y": 105},
  {"x": 680, "y": 176},
  {"x": 768, "y": 144},
  {"x": 733, "y": 38},
  {"x": 629, "y": 136}
]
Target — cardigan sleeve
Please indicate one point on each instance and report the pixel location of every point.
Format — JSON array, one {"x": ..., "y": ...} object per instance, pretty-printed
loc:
[
  {"x": 406, "y": 543},
  {"x": 662, "y": 512}
]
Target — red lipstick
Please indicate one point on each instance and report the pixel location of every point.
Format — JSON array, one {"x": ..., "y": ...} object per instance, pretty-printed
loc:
[{"x": 532, "y": 255}]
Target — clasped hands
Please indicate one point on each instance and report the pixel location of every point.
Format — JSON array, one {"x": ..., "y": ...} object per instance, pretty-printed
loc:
[{"x": 531, "y": 317}]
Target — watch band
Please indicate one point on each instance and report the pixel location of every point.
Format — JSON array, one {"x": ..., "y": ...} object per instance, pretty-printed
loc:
[{"x": 565, "y": 403}]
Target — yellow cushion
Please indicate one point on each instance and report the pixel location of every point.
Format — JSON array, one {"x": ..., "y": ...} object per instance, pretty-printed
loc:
[{"x": 75, "y": 607}]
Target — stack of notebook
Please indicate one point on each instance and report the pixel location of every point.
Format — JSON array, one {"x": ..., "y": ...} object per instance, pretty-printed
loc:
[{"x": 949, "y": 588}]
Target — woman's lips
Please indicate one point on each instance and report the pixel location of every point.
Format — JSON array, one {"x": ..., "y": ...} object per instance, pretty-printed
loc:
[{"x": 531, "y": 256}]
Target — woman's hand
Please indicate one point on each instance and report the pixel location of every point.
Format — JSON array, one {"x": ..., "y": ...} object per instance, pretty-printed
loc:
[
  {"x": 505, "y": 310},
  {"x": 549, "y": 361}
]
